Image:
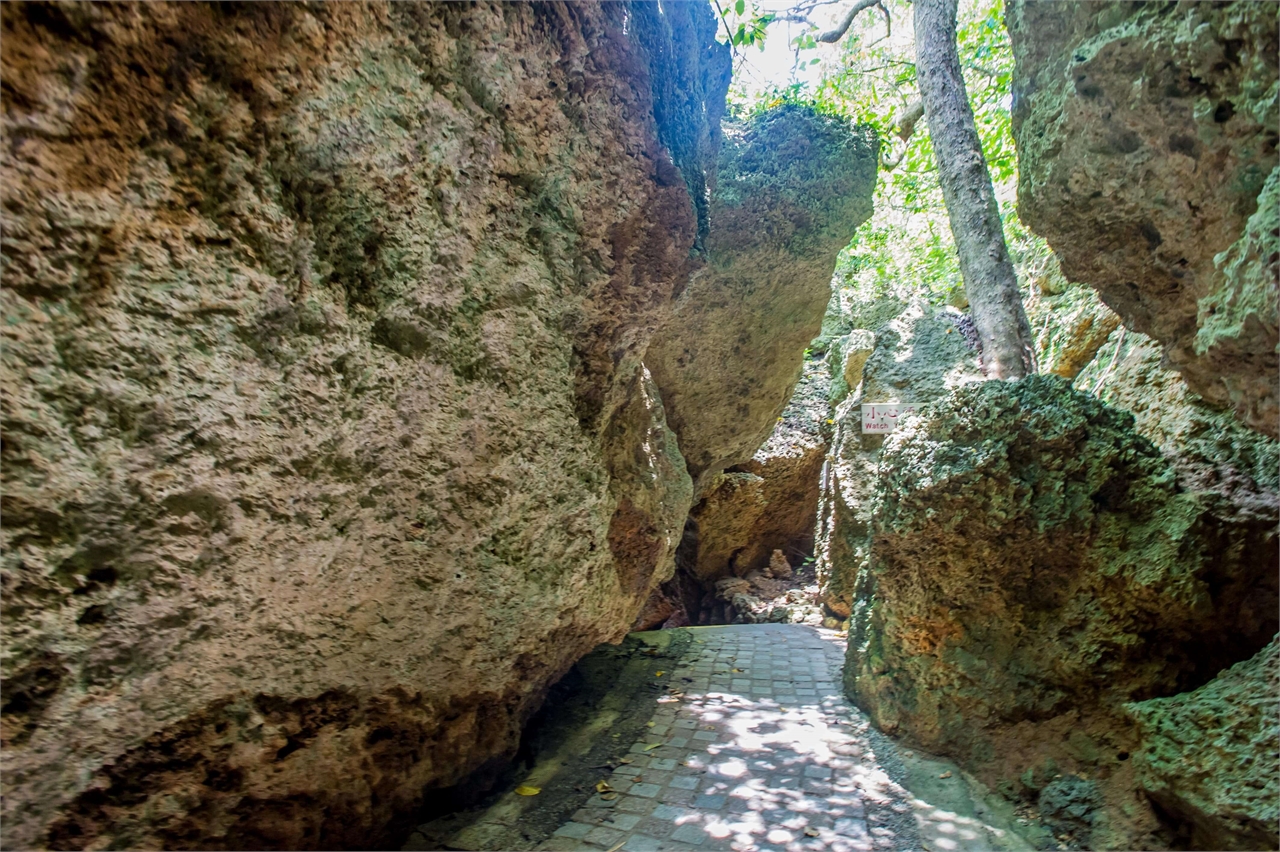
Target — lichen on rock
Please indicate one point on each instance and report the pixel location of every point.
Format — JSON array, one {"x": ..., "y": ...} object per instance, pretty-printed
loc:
[
  {"x": 792, "y": 185},
  {"x": 328, "y": 443},
  {"x": 1147, "y": 139},
  {"x": 917, "y": 355},
  {"x": 1034, "y": 565},
  {"x": 1211, "y": 757}
]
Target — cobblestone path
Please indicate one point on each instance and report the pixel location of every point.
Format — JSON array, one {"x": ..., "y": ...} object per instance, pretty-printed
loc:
[{"x": 753, "y": 747}]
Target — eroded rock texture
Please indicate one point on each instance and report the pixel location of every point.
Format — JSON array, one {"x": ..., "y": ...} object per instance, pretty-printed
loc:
[
  {"x": 917, "y": 356},
  {"x": 1212, "y": 757},
  {"x": 793, "y": 187},
  {"x": 770, "y": 501},
  {"x": 328, "y": 443},
  {"x": 1147, "y": 158},
  {"x": 1034, "y": 564}
]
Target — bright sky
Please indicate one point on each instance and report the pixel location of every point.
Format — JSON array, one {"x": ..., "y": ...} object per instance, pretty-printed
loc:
[{"x": 757, "y": 70}]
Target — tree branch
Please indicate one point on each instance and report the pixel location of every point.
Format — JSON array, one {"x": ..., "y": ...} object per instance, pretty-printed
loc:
[
  {"x": 907, "y": 124},
  {"x": 732, "y": 48},
  {"x": 833, "y": 36}
]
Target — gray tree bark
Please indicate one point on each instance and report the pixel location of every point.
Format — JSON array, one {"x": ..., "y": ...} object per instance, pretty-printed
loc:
[{"x": 989, "y": 280}]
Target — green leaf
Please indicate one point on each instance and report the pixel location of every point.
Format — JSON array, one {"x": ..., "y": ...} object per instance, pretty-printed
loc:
[{"x": 740, "y": 7}]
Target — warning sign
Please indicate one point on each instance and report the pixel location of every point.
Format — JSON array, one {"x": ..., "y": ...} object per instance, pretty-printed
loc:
[{"x": 882, "y": 417}]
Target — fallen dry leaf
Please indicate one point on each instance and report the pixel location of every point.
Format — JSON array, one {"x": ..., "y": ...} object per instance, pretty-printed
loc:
[
  {"x": 811, "y": 832},
  {"x": 603, "y": 787},
  {"x": 524, "y": 790},
  {"x": 658, "y": 674},
  {"x": 652, "y": 746},
  {"x": 946, "y": 774},
  {"x": 609, "y": 797}
]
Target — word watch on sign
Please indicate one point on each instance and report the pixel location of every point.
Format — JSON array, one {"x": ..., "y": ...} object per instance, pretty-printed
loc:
[{"x": 883, "y": 416}]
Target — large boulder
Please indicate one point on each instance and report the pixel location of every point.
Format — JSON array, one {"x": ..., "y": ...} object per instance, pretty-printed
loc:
[
  {"x": 792, "y": 187},
  {"x": 328, "y": 444},
  {"x": 1146, "y": 139},
  {"x": 1212, "y": 757},
  {"x": 917, "y": 355},
  {"x": 1033, "y": 566},
  {"x": 1233, "y": 470},
  {"x": 770, "y": 502}
]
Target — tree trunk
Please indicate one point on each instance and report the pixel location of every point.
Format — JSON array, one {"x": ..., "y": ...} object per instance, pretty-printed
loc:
[{"x": 989, "y": 280}]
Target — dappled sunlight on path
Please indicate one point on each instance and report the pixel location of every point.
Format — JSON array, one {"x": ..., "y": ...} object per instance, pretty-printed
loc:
[{"x": 753, "y": 747}]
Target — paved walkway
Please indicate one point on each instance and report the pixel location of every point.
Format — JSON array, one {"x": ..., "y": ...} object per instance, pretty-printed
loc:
[{"x": 753, "y": 748}]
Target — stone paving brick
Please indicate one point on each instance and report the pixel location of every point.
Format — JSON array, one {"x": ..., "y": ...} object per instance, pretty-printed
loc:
[
  {"x": 604, "y": 836},
  {"x": 691, "y": 834},
  {"x": 750, "y": 759},
  {"x": 636, "y": 805},
  {"x": 575, "y": 830}
]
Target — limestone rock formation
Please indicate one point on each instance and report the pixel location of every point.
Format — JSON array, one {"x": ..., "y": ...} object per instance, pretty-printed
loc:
[
  {"x": 917, "y": 356},
  {"x": 328, "y": 438},
  {"x": 1212, "y": 756},
  {"x": 1034, "y": 565},
  {"x": 753, "y": 512},
  {"x": 1234, "y": 471},
  {"x": 1147, "y": 138},
  {"x": 792, "y": 188},
  {"x": 769, "y": 502}
]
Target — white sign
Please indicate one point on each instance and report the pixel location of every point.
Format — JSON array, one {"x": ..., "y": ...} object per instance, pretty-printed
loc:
[{"x": 882, "y": 417}]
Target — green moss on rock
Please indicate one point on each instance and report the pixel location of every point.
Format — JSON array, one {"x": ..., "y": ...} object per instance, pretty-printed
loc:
[
  {"x": 1033, "y": 565},
  {"x": 1212, "y": 756}
]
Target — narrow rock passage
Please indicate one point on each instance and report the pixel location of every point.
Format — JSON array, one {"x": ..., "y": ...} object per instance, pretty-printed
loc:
[{"x": 752, "y": 746}]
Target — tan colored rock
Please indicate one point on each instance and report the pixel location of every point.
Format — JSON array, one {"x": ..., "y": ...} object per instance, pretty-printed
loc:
[
  {"x": 857, "y": 349},
  {"x": 324, "y": 341},
  {"x": 727, "y": 588},
  {"x": 771, "y": 501},
  {"x": 762, "y": 296},
  {"x": 918, "y": 356},
  {"x": 779, "y": 568},
  {"x": 1147, "y": 158}
]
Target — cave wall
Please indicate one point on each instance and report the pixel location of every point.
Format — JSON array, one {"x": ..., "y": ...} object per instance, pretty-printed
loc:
[
  {"x": 1147, "y": 156},
  {"x": 327, "y": 442}
]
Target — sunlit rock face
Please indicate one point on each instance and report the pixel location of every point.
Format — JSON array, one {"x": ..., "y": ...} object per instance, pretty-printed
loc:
[
  {"x": 1034, "y": 563},
  {"x": 328, "y": 444},
  {"x": 1147, "y": 158},
  {"x": 330, "y": 439},
  {"x": 792, "y": 188},
  {"x": 918, "y": 355}
]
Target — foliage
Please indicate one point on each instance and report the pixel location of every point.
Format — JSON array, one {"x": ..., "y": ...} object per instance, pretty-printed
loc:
[
  {"x": 906, "y": 248},
  {"x": 750, "y": 29}
]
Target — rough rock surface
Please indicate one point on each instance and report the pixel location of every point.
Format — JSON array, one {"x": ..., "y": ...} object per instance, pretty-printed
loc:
[
  {"x": 1033, "y": 566},
  {"x": 916, "y": 356},
  {"x": 328, "y": 443},
  {"x": 1146, "y": 139},
  {"x": 1074, "y": 323},
  {"x": 771, "y": 501},
  {"x": 1212, "y": 757},
  {"x": 793, "y": 187},
  {"x": 753, "y": 512},
  {"x": 1234, "y": 471}
]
